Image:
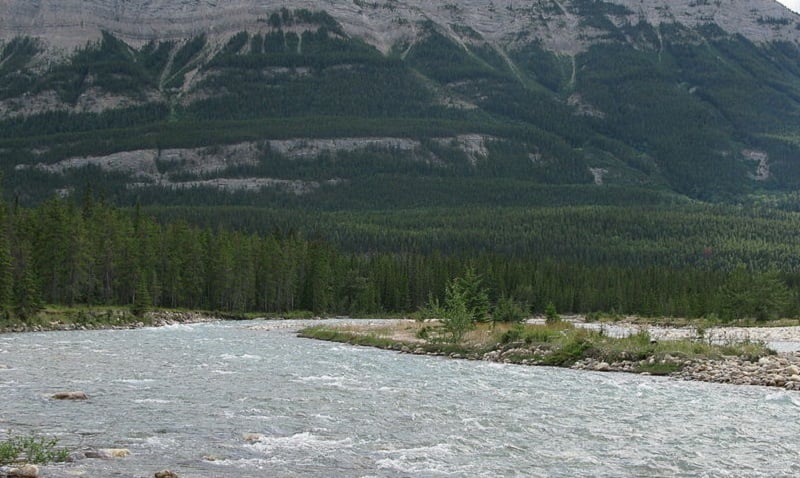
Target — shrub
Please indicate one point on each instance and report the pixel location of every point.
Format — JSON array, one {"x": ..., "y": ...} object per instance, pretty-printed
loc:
[
  {"x": 514, "y": 334},
  {"x": 574, "y": 347},
  {"x": 550, "y": 313},
  {"x": 31, "y": 449},
  {"x": 508, "y": 310}
]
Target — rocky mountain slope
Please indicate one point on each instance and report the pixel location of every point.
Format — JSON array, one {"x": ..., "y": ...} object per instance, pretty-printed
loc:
[
  {"x": 199, "y": 100},
  {"x": 560, "y": 24}
]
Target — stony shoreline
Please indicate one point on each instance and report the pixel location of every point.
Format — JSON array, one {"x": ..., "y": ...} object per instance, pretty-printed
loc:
[
  {"x": 160, "y": 318},
  {"x": 778, "y": 370}
]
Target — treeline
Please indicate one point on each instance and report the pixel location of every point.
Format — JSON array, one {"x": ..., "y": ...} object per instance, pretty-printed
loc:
[
  {"x": 678, "y": 235},
  {"x": 67, "y": 253}
]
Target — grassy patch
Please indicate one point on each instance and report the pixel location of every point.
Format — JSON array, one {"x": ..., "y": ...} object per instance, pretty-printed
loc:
[
  {"x": 659, "y": 368},
  {"x": 558, "y": 344}
]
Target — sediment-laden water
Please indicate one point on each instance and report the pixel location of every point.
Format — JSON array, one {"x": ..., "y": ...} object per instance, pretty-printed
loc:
[{"x": 179, "y": 396}]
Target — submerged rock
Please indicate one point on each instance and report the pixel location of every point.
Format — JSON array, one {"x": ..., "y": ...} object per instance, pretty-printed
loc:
[
  {"x": 76, "y": 456},
  {"x": 70, "y": 396},
  {"x": 108, "y": 453}
]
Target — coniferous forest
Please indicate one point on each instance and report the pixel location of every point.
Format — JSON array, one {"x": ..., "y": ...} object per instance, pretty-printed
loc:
[
  {"x": 632, "y": 177},
  {"x": 587, "y": 259}
]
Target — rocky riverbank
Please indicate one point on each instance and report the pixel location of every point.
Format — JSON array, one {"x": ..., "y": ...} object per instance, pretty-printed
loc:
[
  {"x": 110, "y": 319},
  {"x": 780, "y": 370},
  {"x": 751, "y": 365}
]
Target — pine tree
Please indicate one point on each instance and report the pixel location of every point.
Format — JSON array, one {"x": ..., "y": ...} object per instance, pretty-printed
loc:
[
  {"x": 142, "y": 300},
  {"x": 27, "y": 297},
  {"x": 6, "y": 265}
]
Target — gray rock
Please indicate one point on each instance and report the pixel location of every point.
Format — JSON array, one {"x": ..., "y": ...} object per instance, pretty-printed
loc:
[
  {"x": 252, "y": 437},
  {"x": 602, "y": 367},
  {"x": 165, "y": 474},
  {"x": 24, "y": 471},
  {"x": 71, "y": 23},
  {"x": 108, "y": 453},
  {"x": 76, "y": 456},
  {"x": 70, "y": 396}
]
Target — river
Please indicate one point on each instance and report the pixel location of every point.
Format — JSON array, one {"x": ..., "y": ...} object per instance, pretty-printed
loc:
[{"x": 181, "y": 396}]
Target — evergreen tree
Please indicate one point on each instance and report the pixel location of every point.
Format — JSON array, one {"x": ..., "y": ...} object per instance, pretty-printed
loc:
[
  {"x": 469, "y": 288},
  {"x": 6, "y": 264},
  {"x": 27, "y": 298},
  {"x": 142, "y": 301}
]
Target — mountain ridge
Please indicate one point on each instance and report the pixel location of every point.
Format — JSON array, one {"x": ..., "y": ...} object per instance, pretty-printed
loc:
[
  {"x": 66, "y": 25},
  {"x": 695, "y": 97}
]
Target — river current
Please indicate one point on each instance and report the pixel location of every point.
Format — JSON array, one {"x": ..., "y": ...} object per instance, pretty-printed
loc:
[{"x": 181, "y": 398}]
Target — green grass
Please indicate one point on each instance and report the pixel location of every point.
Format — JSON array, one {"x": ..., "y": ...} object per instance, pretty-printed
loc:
[{"x": 558, "y": 344}]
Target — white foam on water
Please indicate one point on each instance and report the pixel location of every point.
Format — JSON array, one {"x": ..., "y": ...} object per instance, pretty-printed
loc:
[
  {"x": 171, "y": 328},
  {"x": 335, "y": 381},
  {"x": 424, "y": 468},
  {"x": 305, "y": 441},
  {"x": 152, "y": 400},
  {"x": 783, "y": 397},
  {"x": 243, "y": 463},
  {"x": 134, "y": 381},
  {"x": 224, "y": 372},
  {"x": 229, "y": 357},
  {"x": 160, "y": 442},
  {"x": 415, "y": 455}
]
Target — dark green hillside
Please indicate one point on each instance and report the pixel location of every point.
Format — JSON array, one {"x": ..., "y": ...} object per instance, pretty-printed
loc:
[
  {"x": 669, "y": 109},
  {"x": 296, "y": 166}
]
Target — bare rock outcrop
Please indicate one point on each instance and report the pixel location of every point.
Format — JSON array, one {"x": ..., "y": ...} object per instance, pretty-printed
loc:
[{"x": 68, "y": 24}]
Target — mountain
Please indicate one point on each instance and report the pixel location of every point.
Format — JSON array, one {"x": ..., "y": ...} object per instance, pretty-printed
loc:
[{"x": 400, "y": 103}]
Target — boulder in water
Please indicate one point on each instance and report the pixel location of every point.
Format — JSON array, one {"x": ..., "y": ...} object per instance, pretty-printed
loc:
[
  {"x": 166, "y": 474},
  {"x": 24, "y": 471},
  {"x": 70, "y": 396},
  {"x": 76, "y": 456},
  {"x": 252, "y": 437}
]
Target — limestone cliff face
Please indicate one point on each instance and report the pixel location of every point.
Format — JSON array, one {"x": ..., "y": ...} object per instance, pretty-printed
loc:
[{"x": 67, "y": 24}]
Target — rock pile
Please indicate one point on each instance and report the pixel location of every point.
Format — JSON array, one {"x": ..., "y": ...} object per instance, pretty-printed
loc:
[{"x": 781, "y": 370}]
